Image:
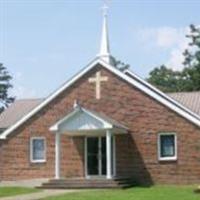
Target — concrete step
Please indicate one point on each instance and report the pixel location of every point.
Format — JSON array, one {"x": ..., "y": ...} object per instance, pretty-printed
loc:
[
  {"x": 87, "y": 183},
  {"x": 84, "y": 186}
]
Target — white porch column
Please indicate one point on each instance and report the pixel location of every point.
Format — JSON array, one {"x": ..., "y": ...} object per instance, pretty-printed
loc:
[
  {"x": 57, "y": 155},
  {"x": 108, "y": 154},
  {"x": 114, "y": 156}
]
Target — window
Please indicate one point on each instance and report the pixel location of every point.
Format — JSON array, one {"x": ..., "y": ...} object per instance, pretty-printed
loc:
[
  {"x": 38, "y": 149},
  {"x": 167, "y": 146}
]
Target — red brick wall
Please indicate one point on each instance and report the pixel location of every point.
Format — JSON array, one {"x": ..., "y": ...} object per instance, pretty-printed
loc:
[{"x": 136, "y": 152}]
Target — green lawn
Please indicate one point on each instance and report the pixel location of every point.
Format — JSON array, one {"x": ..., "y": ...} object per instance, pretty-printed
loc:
[
  {"x": 136, "y": 193},
  {"x": 12, "y": 191}
]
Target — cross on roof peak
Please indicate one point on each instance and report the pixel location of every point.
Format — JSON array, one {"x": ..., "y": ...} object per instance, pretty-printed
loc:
[
  {"x": 105, "y": 8},
  {"x": 104, "y": 53}
]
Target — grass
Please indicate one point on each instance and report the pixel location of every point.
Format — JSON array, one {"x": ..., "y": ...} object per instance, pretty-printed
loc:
[
  {"x": 136, "y": 193},
  {"x": 12, "y": 191}
]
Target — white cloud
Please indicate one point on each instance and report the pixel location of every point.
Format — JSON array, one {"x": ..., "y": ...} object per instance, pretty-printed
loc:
[
  {"x": 19, "y": 90},
  {"x": 161, "y": 37},
  {"x": 170, "y": 39},
  {"x": 167, "y": 36},
  {"x": 176, "y": 55}
]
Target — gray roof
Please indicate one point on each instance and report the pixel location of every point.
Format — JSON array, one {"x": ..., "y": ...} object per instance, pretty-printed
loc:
[
  {"x": 16, "y": 111},
  {"x": 190, "y": 100},
  {"x": 20, "y": 108}
]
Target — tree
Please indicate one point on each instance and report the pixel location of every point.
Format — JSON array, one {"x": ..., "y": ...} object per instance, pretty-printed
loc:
[
  {"x": 188, "y": 79},
  {"x": 165, "y": 79},
  {"x": 5, "y": 85},
  {"x": 120, "y": 65},
  {"x": 191, "y": 72}
]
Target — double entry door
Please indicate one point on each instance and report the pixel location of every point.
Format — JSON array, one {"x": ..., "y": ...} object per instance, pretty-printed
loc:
[{"x": 96, "y": 156}]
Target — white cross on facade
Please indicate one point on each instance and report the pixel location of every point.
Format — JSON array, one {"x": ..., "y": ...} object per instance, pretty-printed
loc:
[{"x": 97, "y": 80}]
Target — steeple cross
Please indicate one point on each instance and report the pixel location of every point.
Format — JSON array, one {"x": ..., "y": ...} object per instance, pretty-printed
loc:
[
  {"x": 105, "y": 8},
  {"x": 97, "y": 80}
]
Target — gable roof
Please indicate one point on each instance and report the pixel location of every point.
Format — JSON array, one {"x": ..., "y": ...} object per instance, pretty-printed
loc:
[
  {"x": 136, "y": 82},
  {"x": 167, "y": 97},
  {"x": 81, "y": 119},
  {"x": 16, "y": 111},
  {"x": 190, "y": 100},
  {"x": 21, "y": 107}
]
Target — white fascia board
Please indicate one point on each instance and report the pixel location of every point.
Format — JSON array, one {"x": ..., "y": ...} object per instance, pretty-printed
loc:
[
  {"x": 49, "y": 98},
  {"x": 173, "y": 106},
  {"x": 55, "y": 127},
  {"x": 188, "y": 115},
  {"x": 161, "y": 93}
]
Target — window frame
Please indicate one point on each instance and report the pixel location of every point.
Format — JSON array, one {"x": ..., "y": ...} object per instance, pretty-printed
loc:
[
  {"x": 168, "y": 158},
  {"x": 31, "y": 150}
]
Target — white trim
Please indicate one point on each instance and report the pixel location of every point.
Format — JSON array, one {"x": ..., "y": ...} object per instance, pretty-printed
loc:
[
  {"x": 173, "y": 105},
  {"x": 108, "y": 155},
  {"x": 57, "y": 155},
  {"x": 162, "y": 98},
  {"x": 31, "y": 150},
  {"x": 160, "y": 93},
  {"x": 170, "y": 158},
  {"x": 55, "y": 127},
  {"x": 87, "y": 176},
  {"x": 114, "y": 155},
  {"x": 49, "y": 99}
]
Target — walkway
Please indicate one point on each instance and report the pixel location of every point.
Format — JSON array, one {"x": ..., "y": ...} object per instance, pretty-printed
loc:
[{"x": 37, "y": 195}]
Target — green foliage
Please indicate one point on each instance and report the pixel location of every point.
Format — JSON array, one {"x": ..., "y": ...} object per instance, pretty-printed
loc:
[
  {"x": 188, "y": 79},
  {"x": 191, "y": 72},
  {"x": 5, "y": 85},
  {"x": 120, "y": 65},
  {"x": 165, "y": 79}
]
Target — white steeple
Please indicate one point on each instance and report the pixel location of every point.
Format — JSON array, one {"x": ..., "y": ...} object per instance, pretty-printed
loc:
[{"x": 104, "y": 53}]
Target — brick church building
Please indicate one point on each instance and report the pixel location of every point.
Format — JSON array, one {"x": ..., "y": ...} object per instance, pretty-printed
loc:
[{"x": 103, "y": 124}]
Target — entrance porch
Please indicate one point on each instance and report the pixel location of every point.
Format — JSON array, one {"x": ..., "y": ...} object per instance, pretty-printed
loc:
[
  {"x": 96, "y": 156},
  {"x": 99, "y": 134}
]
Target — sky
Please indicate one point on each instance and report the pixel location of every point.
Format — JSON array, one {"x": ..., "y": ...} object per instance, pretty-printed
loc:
[{"x": 45, "y": 42}]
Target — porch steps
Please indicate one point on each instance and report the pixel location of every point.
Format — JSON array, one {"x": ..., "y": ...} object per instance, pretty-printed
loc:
[{"x": 88, "y": 183}]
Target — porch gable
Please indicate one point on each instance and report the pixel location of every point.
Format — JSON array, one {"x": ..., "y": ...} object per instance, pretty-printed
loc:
[{"x": 83, "y": 120}]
